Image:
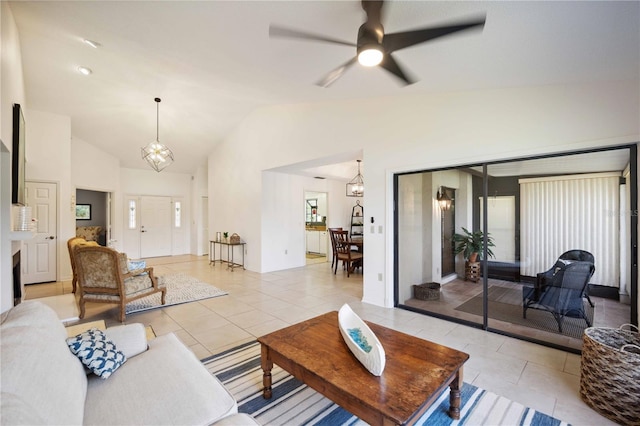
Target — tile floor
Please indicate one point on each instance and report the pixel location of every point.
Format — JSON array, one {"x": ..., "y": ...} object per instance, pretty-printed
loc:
[
  {"x": 608, "y": 313},
  {"x": 539, "y": 377}
]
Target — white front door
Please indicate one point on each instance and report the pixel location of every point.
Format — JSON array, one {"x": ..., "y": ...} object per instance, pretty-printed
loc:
[
  {"x": 155, "y": 226},
  {"x": 41, "y": 259}
]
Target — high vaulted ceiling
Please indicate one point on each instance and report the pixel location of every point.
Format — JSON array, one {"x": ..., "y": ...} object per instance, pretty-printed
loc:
[{"x": 213, "y": 63}]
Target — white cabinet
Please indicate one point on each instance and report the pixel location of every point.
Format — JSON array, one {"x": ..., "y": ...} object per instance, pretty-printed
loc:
[
  {"x": 316, "y": 242},
  {"x": 322, "y": 240},
  {"x": 313, "y": 244}
]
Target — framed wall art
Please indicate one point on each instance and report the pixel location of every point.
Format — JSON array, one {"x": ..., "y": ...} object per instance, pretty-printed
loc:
[{"x": 83, "y": 211}]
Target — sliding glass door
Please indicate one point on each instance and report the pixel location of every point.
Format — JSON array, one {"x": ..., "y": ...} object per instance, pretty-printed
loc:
[{"x": 540, "y": 247}]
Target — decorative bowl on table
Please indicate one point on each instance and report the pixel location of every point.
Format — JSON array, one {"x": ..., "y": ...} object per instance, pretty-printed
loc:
[{"x": 361, "y": 341}]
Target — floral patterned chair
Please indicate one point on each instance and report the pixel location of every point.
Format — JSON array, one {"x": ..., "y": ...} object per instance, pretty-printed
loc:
[
  {"x": 72, "y": 243},
  {"x": 104, "y": 277},
  {"x": 89, "y": 233}
]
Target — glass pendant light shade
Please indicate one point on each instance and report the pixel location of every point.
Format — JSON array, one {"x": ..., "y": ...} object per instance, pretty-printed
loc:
[
  {"x": 444, "y": 201},
  {"x": 355, "y": 188},
  {"x": 156, "y": 153}
]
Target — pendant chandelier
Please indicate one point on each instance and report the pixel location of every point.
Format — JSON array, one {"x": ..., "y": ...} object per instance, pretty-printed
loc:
[
  {"x": 155, "y": 153},
  {"x": 355, "y": 188}
]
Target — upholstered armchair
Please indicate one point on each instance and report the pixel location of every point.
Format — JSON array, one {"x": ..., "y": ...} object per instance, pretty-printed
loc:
[
  {"x": 89, "y": 233},
  {"x": 72, "y": 243},
  {"x": 104, "y": 277}
]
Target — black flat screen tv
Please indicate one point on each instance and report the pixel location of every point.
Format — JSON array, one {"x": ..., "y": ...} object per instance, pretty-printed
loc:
[{"x": 17, "y": 157}]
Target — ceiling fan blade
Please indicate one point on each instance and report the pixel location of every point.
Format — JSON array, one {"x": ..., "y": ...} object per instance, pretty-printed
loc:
[
  {"x": 331, "y": 77},
  {"x": 397, "y": 41},
  {"x": 390, "y": 64},
  {"x": 275, "y": 31}
]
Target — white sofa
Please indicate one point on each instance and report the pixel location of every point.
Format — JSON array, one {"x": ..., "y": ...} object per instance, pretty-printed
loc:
[{"x": 42, "y": 382}]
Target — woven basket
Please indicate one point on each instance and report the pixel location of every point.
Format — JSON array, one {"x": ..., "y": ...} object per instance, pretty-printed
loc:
[
  {"x": 610, "y": 373},
  {"x": 427, "y": 291},
  {"x": 234, "y": 238}
]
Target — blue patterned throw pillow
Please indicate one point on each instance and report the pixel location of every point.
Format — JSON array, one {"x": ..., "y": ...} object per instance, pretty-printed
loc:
[{"x": 98, "y": 353}]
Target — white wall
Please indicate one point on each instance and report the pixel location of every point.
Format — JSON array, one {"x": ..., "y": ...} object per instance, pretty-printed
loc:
[
  {"x": 283, "y": 219},
  {"x": 411, "y": 217},
  {"x": 96, "y": 170},
  {"x": 417, "y": 132},
  {"x": 48, "y": 154},
  {"x": 198, "y": 190},
  {"x": 11, "y": 92},
  {"x": 92, "y": 168}
]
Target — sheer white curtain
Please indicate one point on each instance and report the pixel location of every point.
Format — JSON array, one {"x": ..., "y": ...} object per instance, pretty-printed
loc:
[{"x": 562, "y": 213}]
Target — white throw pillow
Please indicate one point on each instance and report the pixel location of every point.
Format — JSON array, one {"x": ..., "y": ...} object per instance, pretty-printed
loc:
[{"x": 131, "y": 339}]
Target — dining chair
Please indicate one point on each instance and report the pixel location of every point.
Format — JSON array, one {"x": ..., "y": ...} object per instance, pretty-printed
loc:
[
  {"x": 349, "y": 257},
  {"x": 333, "y": 245}
]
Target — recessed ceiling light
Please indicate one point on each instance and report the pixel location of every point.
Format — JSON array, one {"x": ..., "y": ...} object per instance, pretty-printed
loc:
[
  {"x": 84, "y": 70},
  {"x": 92, "y": 43}
]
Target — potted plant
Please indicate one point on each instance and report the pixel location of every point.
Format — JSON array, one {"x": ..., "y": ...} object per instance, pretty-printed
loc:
[{"x": 471, "y": 244}]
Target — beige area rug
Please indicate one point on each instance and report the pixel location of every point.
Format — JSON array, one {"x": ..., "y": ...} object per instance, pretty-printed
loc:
[
  {"x": 505, "y": 304},
  {"x": 181, "y": 288}
]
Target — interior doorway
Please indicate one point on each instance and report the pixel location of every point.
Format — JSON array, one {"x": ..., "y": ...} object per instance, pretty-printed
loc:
[
  {"x": 95, "y": 225},
  {"x": 317, "y": 243}
]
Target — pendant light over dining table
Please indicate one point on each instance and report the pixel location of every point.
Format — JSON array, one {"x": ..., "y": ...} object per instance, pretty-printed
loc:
[
  {"x": 155, "y": 153},
  {"x": 355, "y": 188}
]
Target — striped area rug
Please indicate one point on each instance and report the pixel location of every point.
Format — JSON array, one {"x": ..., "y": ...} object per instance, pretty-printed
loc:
[{"x": 294, "y": 403}]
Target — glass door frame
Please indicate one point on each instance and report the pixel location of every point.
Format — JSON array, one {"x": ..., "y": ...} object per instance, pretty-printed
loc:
[{"x": 633, "y": 243}]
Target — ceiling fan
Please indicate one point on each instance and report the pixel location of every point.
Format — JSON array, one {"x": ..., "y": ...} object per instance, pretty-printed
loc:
[{"x": 373, "y": 46}]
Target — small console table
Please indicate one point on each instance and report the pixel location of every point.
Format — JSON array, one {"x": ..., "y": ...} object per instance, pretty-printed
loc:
[{"x": 231, "y": 264}]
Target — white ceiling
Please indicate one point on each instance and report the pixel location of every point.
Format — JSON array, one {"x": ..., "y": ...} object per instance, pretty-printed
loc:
[{"x": 213, "y": 63}]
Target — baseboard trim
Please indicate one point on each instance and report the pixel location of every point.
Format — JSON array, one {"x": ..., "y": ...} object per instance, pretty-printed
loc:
[{"x": 604, "y": 291}]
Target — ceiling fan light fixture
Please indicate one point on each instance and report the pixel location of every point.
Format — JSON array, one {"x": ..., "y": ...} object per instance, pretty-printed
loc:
[{"x": 370, "y": 56}]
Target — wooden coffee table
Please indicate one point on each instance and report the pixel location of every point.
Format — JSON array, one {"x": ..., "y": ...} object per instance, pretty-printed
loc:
[{"x": 416, "y": 371}]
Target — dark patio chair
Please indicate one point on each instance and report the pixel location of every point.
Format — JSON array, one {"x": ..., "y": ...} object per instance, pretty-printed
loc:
[
  {"x": 563, "y": 294},
  {"x": 543, "y": 278}
]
